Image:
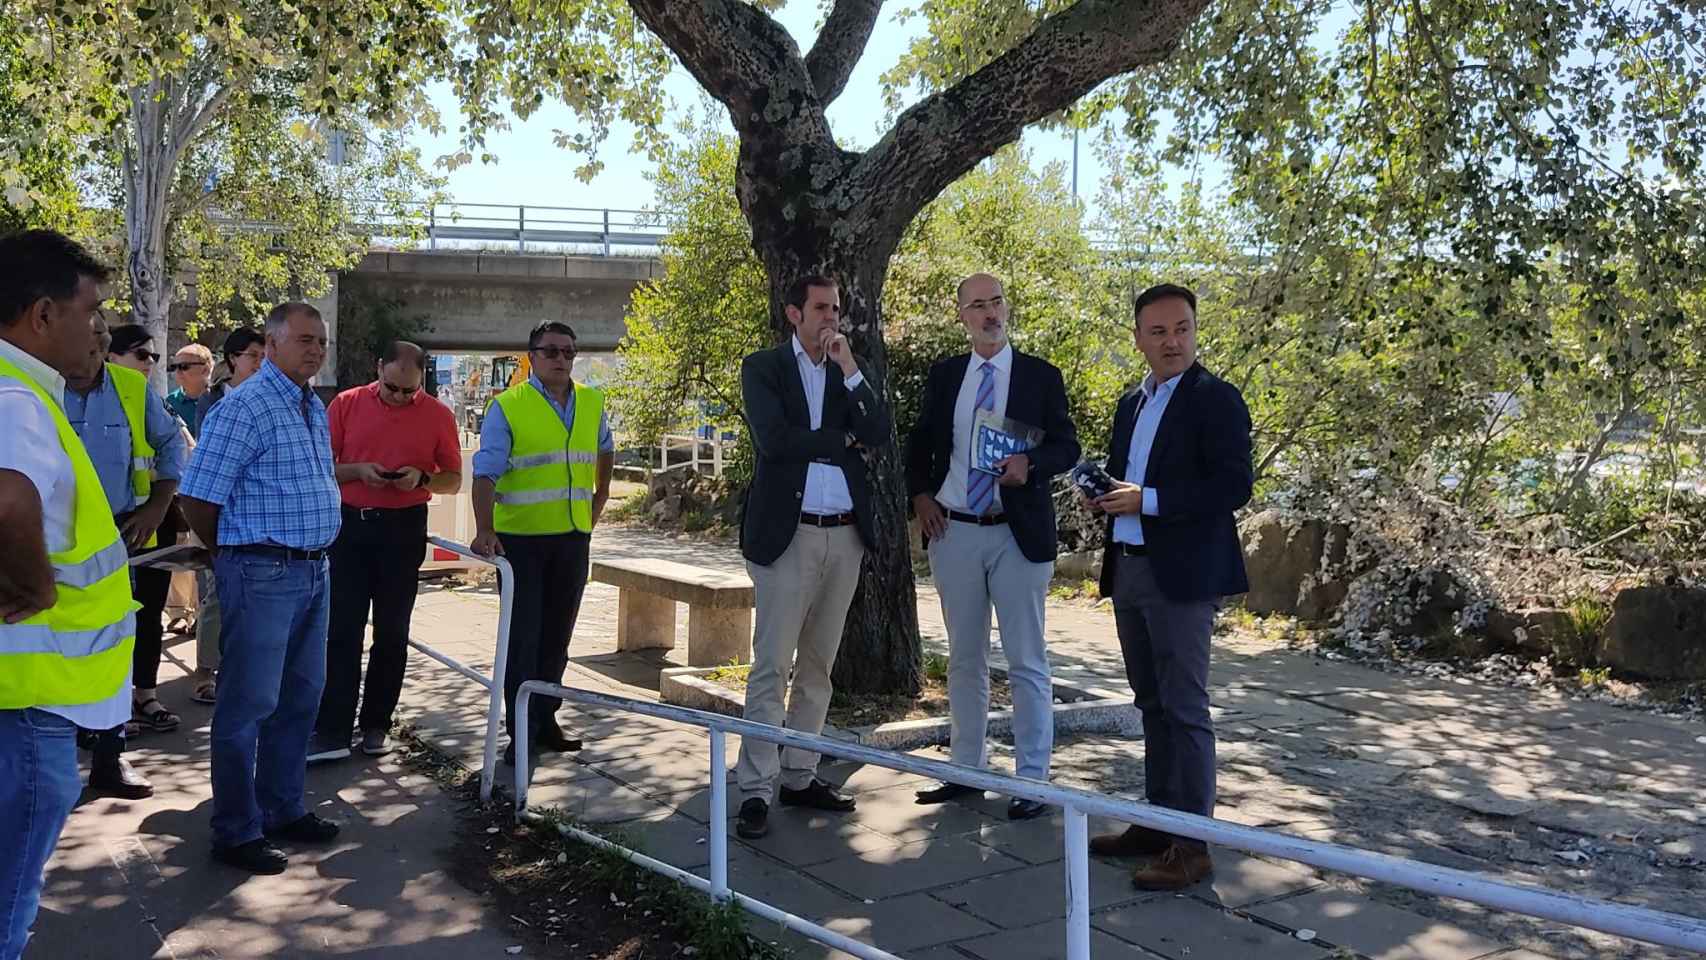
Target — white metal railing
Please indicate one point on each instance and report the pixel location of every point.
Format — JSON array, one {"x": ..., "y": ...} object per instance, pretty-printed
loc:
[
  {"x": 692, "y": 445},
  {"x": 1639, "y": 923},
  {"x": 511, "y": 223},
  {"x": 494, "y": 684}
]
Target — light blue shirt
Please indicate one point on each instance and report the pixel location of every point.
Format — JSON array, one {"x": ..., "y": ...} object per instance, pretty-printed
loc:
[
  {"x": 492, "y": 459},
  {"x": 1129, "y": 528},
  {"x": 265, "y": 459},
  {"x": 98, "y": 417}
]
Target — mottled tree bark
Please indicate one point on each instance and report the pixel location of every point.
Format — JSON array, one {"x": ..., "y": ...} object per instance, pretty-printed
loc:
[{"x": 816, "y": 208}]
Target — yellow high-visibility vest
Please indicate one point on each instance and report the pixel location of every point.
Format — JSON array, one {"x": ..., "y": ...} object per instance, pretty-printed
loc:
[
  {"x": 78, "y": 650},
  {"x": 132, "y": 390},
  {"x": 552, "y": 473}
]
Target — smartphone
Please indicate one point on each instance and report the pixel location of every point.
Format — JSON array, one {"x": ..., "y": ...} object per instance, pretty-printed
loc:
[
  {"x": 391, "y": 474},
  {"x": 1090, "y": 478}
]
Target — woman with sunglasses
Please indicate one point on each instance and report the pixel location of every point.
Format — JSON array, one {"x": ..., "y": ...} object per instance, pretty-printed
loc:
[{"x": 132, "y": 347}]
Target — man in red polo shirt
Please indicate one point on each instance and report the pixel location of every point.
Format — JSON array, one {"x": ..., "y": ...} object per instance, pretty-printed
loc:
[{"x": 394, "y": 446}]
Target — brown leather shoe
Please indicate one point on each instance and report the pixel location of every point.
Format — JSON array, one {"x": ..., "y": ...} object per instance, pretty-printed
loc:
[
  {"x": 1136, "y": 841},
  {"x": 1179, "y": 866}
]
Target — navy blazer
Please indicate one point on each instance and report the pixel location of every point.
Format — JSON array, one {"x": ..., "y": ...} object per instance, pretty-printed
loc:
[
  {"x": 785, "y": 445},
  {"x": 1200, "y": 469},
  {"x": 1036, "y": 395}
]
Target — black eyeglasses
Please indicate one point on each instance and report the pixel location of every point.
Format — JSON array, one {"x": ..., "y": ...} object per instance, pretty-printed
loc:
[
  {"x": 186, "y": 365},
  {"x": 400, "y": 391},
  {"x": 552, "y": 353}
]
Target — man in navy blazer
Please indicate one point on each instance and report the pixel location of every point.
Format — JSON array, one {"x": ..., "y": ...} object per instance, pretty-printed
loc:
[
  {"x": 991, "y": 538},
  {"x": 1180, "y": 453}
]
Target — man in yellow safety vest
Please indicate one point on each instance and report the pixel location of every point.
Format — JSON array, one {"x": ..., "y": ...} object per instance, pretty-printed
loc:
[
  {"x": 67, "y": 622},
  {"x": 541, "y": 479},
  {"x": 138, "y": 450}
]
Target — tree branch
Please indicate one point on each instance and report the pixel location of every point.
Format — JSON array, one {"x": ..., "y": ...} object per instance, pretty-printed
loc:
[
  {"x": 840, "y": 45},
  {"x": 1066, "y": 57},
  {"x": 739, "y": 55}
]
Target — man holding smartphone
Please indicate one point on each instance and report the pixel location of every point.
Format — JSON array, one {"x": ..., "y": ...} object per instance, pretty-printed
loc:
[{"x": 394, "y": 446}]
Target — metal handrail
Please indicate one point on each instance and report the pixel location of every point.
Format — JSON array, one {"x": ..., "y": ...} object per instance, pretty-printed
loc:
[
  {"x": 494, "y": 684},
  {"x": 1639, "y": 923}
]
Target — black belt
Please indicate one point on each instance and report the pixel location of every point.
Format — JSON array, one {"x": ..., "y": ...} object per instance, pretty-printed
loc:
[
  {"x": 277, "y": 552},
  {"x": 383, "y": 513},
  {"x": 986, "y": 520},
  {"x": 828, "y": 519},
  {"x": 1131, "y": 549}
]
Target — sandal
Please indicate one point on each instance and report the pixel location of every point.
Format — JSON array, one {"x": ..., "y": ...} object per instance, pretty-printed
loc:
[
  {"x": 204, "y": 691},
  {"x": 153, "y": 715}
]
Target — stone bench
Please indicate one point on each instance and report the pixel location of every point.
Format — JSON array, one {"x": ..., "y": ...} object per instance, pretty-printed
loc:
[{"x": 719, "y": 608}]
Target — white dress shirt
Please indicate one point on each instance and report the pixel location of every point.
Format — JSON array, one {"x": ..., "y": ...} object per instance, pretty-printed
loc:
[
  {"x": 31, "y": 447},
  {"x": 826, "y": 486},
  {"x": 1128, "y": 528},
  {"x": 953, "y": 492}
]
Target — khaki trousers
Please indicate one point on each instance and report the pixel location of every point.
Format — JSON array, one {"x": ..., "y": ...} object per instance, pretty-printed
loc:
[{"x": 802, "y": 602}]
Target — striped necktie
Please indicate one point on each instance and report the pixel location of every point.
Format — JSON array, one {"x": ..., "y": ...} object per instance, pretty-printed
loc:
[{"x": 980, "y": 486}]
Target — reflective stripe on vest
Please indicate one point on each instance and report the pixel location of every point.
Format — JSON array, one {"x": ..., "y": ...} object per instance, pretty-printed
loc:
[
  {"x": 552, "y": 473},
  {"x": 132, "y": 390},
  {"x": 78, "y": 650}
]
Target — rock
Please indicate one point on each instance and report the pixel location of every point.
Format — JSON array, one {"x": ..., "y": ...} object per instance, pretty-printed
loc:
[
  {"x": 1657, "y": 632},
  {"x": 1284, "y": 554},
  {"x": 667, "y": 510},
  {"x": 1535, "y": 630}
]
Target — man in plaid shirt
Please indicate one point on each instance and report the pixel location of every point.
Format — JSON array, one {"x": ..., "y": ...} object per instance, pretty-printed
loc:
[{"x": 260, "y": 493}]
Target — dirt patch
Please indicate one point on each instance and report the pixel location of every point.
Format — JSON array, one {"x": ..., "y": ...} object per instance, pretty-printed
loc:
[
  {"x": 864, "y": 710},
  {"x": 561, "y": 898}
]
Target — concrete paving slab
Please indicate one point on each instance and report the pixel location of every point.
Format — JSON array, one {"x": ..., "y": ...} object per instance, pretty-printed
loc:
[
  {"x": 1374, "y": 929},
  {"x": 1039, "y": 840},
  {"x": 783, "y": 886},
  {"x": 896, "y": 812},
  {"x": 902, "y": 925},
  {"x": 1036, "y": 895},
  {"x": 912, "y": 867},
  {"x": 675, "y": 840},
  {"x": 1048, "y": 942},
  {"x": 805, "y": 837},
  {"x": 1240, "y": 879},
  {"x": 1185, "y": 929}
]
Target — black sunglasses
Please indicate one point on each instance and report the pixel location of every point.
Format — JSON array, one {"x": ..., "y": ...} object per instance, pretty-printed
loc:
[
  {"x": 186, "y": 365},
  {"x": 552, "y": 353},
  {"x": 143, "y": 353}
]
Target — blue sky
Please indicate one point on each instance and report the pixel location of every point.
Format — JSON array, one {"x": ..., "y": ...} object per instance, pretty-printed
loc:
[{"x": 532, "y": 170}]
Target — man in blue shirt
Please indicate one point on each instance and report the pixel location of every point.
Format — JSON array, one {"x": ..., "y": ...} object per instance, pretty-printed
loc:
[
  {"x": 260, "y": 493},
  {"x": 97, "y": 413}
]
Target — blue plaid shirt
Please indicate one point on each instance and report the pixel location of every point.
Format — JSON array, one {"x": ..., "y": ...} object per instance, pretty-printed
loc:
[{"x": 265, "y": 459}]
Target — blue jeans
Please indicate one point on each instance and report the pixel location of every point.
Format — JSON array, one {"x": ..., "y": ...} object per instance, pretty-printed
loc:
[
  {"x": 38, "y": 787},
  {"x": 273, "y": 643}
]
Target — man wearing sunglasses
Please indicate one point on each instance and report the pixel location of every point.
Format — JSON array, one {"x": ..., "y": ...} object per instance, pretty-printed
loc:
[
  {"x": 394, "y": 446},
  {"x": 541, "y": 479}
]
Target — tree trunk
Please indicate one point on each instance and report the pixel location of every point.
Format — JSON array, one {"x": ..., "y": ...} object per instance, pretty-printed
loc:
[{"x": 150, "y": 166}]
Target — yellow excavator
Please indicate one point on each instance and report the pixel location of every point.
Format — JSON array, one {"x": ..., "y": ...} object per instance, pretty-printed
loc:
[{"x": 505, "y": 369}]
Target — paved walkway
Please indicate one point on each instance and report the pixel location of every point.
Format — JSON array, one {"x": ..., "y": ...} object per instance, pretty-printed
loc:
[{"x": 1582, "y": 796}]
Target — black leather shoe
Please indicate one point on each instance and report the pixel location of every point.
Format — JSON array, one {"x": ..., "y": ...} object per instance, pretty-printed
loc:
[
  {"x": 943, "y": 792},
  {"x": 754, "y": 819},
  {"x": 256, "y": 856},
  {"x": 310, "y": 828},
  {"x": 552, "y": 738},
  {"x": 1019, "y": 808},
  {"x": 818, "y": 796},
  {"x": 119, "y": 779}
]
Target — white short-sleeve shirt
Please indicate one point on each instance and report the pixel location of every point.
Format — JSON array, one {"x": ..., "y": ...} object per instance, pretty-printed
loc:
[{"x": 32, "y": 448}]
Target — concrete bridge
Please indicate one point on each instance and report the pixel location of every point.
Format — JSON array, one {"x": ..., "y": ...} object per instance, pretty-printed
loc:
[{"x": 485, "y": 300}]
